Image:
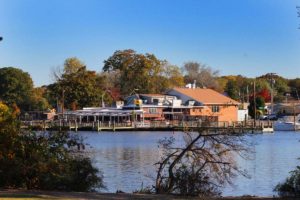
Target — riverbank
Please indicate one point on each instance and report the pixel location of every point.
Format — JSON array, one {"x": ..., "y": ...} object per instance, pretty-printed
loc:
[{"x": 25, "y": 194}]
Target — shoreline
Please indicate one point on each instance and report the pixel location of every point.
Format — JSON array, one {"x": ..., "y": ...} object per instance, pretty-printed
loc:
[{"x": 39, "y": 194}]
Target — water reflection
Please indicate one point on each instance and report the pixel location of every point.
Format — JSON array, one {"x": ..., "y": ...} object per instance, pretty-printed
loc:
[{"x": 127, "y": 160}]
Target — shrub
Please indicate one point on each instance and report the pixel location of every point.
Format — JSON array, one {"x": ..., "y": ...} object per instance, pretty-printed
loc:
[
  {"x": 291, "y": 186},
  {"x": 43, "y": 160}
]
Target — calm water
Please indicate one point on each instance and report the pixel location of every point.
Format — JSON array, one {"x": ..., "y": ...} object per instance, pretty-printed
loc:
[{"x": 127, "y": 160}]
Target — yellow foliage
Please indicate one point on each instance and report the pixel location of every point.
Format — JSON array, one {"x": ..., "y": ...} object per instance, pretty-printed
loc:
[{"x": 4, "y": 111}]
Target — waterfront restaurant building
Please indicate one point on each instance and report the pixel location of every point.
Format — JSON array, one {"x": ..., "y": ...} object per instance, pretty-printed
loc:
[
  {"x": 178, "y": 104},
  {"x": 207, "y": 103}
]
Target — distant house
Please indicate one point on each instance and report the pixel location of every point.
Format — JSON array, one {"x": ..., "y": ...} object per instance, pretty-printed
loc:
[
  {"x": 206, "y": 103},
  {"x": 286, "y": 108}
]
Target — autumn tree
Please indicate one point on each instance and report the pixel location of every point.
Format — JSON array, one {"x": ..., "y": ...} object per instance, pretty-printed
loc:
[
  {"x": 277, "y": 84},
  {"x": 137, "y": 71},
  {"x": 72, "y": 65},
  {"x": 39, "y": 98},
  {"x": 204, "y": 75}
]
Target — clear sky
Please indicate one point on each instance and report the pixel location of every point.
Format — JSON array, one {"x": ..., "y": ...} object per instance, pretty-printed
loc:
[{"x": 248, "y": 37}]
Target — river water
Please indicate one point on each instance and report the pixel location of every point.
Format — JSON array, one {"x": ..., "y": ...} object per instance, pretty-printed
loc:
[{"x": 127, "y": 160}]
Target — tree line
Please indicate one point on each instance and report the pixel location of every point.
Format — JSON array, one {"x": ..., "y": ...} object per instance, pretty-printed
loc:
[{"x": 125, "y": 71}]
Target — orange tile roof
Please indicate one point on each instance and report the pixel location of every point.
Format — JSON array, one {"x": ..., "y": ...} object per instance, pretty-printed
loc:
[{"x": 206, "y": 96}]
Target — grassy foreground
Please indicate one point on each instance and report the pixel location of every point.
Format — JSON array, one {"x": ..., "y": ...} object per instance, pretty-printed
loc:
[{"x": 35, "y": 195}]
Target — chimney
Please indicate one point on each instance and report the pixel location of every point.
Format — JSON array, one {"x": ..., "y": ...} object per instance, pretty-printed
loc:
[{"x": 189, "y": 86}]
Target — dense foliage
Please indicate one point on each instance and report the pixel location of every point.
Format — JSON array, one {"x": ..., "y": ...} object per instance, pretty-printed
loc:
[
  {"x": 126, "y": 71},
  {"x": 291, "y": 186},
  {"x": 16, "y": 87},
  {"x": 144, "y": 72},
  {"x": 43, "y": 160},
  {"x": 76, "y": 87},
  {"x": 259, "y": 104}
]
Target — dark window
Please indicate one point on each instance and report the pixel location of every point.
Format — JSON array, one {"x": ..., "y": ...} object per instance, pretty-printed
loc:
[
  {"x": 215, "y": 109},
  {"x": 152, "y": 110}
]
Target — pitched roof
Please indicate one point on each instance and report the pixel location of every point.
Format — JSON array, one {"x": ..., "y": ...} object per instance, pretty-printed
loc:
[
  {"x": 206, "y": 96},
  {"x": 153, "y": 95}
]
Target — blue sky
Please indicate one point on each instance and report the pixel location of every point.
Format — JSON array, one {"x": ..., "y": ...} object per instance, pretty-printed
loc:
[{"x": 248, "y": 37}]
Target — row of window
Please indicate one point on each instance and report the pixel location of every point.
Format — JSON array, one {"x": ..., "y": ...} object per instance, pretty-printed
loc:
[{"x": 214, "y": 109}]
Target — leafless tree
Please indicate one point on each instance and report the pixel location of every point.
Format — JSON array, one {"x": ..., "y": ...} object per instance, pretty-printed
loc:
[
  {"x": 202, "y": 165},
  {"x": 204, "y": 75}
]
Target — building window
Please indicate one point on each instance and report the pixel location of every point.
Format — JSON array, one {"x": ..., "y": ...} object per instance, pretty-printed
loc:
[
  {"x": 215, "y": 109},
  {"x": 152, "y": 110}
]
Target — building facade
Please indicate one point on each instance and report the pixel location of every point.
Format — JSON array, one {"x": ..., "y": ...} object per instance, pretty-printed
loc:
[{"x": 207, "y": 103}]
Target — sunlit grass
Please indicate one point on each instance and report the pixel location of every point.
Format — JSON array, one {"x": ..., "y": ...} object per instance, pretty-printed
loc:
[{"x": 28, "y": 197}]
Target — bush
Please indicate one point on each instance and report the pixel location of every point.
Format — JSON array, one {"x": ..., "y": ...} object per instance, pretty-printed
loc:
[
  {"x": 43, "y": 160},
  {"x": 291, "y": 186}
]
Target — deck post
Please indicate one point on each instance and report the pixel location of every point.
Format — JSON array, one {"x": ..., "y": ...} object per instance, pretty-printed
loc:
[{"x": 76, "y": 126}]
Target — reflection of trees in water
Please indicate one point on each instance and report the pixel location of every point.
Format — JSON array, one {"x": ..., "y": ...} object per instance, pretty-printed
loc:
[
  {"x": 110, "y": 151},
  {"x": 126, "y": 168}
]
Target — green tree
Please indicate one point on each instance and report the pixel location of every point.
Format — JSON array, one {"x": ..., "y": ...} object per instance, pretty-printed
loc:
[
  {"x": 232, "y": 90},
  {"x": 16, "y": 87},
  {"x": 237, "y": 87},
  {"x": 82, "y": 88},
  {"x": 294, "y": 85},
  {"x": 260, "y": 104}
]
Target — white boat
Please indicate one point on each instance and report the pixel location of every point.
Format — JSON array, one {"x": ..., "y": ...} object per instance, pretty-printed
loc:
[{"x": 287, "y": 124}]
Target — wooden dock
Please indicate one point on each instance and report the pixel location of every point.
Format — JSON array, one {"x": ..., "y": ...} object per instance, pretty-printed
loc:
[{"x": 98, "y": 126}]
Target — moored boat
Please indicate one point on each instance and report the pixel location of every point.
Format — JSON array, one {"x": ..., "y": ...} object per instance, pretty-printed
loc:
[{"x": 287, "y": 124}]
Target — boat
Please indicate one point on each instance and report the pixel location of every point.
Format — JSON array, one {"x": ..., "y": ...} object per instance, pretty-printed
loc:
[{"x": 287, "y": 124}]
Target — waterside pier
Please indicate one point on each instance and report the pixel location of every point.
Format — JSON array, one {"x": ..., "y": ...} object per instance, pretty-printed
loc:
[{"x": 98, "y": 126}]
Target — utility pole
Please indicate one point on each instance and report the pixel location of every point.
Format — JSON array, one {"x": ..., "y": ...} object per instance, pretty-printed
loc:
[
  {"x": 272, "y": 92},
  {"x": 294, "y": 112},
  {"x": 254, "y": 99},
  {"x": 270, "y": 76},
  {"x": 248, "y": 94},
  {"x": 63, "y": 104}
]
